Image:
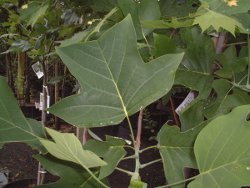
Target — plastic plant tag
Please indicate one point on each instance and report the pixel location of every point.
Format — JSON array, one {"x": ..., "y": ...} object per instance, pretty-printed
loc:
[
  {"x": 3, "y": 178},
  {"x": 189, "y": 98},
  {"x": 38, "y": 69},
  {"x": 41, "y": 102}
]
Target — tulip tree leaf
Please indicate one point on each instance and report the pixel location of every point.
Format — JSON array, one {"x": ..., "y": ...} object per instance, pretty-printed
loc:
[
  {"x": 66, "y": 146},
  {"x": 14, "y": 127},
  {"x": 176, "y": 149},
  {"x": 145, "y": 10},
  {"x": 198, "y": 65},
  {"x": 115, "y": 81},
  {"x": 217, "y": 21},
  {"x": 222, "y": 151},
  {"x": 34, "y": 11},
  {"x": 111, "y": 150},
  {"x": 225, "y": 101},
  {"x": 70, "y": 175}
]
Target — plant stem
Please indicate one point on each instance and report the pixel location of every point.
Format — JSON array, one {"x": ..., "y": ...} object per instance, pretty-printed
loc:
[
  {"x": 93, "y": 175},
  {"x": 139, "y": 129},
  {"x": 41, "y": 174},
  {"x": 151, "y": 162},
  {"x": 174, "y": 113},
  {"x": 131, "y": 130},
  {"x": 129, "y": 157},
  {"x": 179, "y": 182},
  {"x": 137, "y": 146},
  {"x": 125, "y": 171},
  {"x": 148, "y": 148},
  {"x": 220, "y": 43},
  {"x": 248, "y": 72}
]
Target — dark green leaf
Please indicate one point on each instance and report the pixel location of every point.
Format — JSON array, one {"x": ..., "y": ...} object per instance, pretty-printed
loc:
[
  {"x": 34, "y": 11},
  {"x": 14, "y": 127},
  {"x": 112, "y": 152},
  {"x": 115, "y": 81},
  {"x": 163, "y": 45},
  {"x": 200, "y": 51},
  {"x": 176, "y": 149}
]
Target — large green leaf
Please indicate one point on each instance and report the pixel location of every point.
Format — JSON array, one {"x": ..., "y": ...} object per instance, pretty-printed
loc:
[
  {"x": 176, "y": 149},
  {"x": 222, "y": 151},
  {"x": 115, "y": 81},
  {"x": 197, "y": 67},
  {"x": 70, "y": 174},
  {"x": 67, "y": 147},
  {"x": 14, "y": 127},
  {"x": 34, "y": 11},
  {"x": 111, "y": 150},
  {"x": 145, "y": 10}
]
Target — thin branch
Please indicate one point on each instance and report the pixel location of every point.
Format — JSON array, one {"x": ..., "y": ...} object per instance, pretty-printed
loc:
[
  {"x": 248, "y": 71},
  {"x": 125, "y": 171},
  {"x": 179, "y": 182},
  {"x": 150, "y": 163},
  {"x": 148, "y": 148},
  {"x": 139, "y": 130},
  {"x": 129, "y": 157},
  {"x": 174, "y": 113}
]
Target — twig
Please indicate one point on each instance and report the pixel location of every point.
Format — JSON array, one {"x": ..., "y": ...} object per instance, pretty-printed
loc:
[
  {"x": 137, "y": 146},
  {"x": 125, "y": 171},
  {"x": 150, "y": 163},
  {"x": 139, "y": 129},
  {"x": 174, "y": 113},
  {"x": 148, "y": 148}
]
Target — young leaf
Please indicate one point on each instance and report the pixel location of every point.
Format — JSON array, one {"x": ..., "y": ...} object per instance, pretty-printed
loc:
[
  {"x": 67, "y": 147},
  {"x": 70, "y": 175},
  {"x": 14, "y": 127},
  {"x": 222, "y": 151},
  {"x": 217, "y": 21},
  {"x": 112, "y": 152},
  {"x": 137, "y": 184},
  {"x": 115, "y": 81},
  {"x": 176, "y": 149}
]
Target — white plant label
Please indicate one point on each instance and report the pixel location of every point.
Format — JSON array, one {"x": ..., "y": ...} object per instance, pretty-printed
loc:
[
  {"x": 38, "y": 69},
  {"x": 41, "y": 102},
  {"x": 189, "y": 98}
]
